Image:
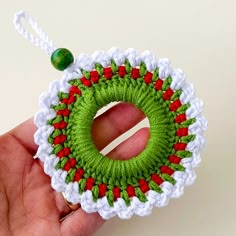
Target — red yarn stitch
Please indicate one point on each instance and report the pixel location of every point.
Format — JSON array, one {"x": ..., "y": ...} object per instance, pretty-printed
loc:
[
  {"x": 158, "y": 84},
  {"x": 143, "y": 185},
  {"x": 180, "y": 118},
  {"x": 74, "y": 90},
  {"x": 174, "y": 159},
  {"x": 71, "y": 99},
  {"x": 94, "y": 76},
  {"x": 182, "y": 132},
  {"x": 70, "y": 164},
  {"x": 157, "y": 179},
  {"x": 64, "y": 152},
  {"x": 80, "y": 171},
  {"x": 64, "y": 112},
  {"x": 122, "y": 71},
  {"x": 116, "y": 192},
  {"x": 68, "y": 100},
  {"x": 64, "y": 100},
  {"x": 59, "y": 139},
  {"x": 130, "y": 190},
  {"x": 102, "y": 190},
  {"x": 168, "y": 94},
  {"x": 167, "y": 170},
  {"x": 86, "y": 82},
  {"x": 175, "y": 105},
  {"x": 107, "y": 72},
  {"x": 67, "y": 166},
  {"x": 180, "y": 146},
  {"x": 135, "y": 73},
  {"x": 89, "y": 183},
  {"x": 78, "y": 174},
  {"x": 60, "y": 125},
  {"x": 148, "y": 78}
]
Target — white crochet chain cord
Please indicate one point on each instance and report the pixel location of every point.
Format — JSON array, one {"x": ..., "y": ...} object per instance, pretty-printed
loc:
[
  {"x": 42, "y": 41},
  {"x": 71, "y": 191}
]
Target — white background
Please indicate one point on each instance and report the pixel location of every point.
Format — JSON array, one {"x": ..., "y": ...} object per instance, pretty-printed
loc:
[{"x": 198, "y": 36}]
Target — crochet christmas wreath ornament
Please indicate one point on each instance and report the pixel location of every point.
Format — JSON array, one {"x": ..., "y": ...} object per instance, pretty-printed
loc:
[{"x": 115, "y": 187}]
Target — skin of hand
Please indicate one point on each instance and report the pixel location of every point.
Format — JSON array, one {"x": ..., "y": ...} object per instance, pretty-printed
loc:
[{"x": 28, "y": 204}]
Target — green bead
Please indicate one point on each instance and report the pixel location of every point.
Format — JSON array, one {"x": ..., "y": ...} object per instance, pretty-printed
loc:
[{"x": 61, "y": 58}]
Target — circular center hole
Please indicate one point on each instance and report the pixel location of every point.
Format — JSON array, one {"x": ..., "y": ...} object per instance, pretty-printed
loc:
[{"x": 120, "y": 131}]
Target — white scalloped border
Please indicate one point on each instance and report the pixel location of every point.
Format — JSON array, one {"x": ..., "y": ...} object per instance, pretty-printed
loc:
[{"x": 71, "y": 190}]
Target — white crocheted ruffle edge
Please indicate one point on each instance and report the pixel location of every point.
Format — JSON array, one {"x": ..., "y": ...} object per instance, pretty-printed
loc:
[{"x": 71, "y": 191}]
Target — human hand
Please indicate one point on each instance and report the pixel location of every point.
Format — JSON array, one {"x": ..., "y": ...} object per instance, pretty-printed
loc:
[{"x": 28, "y": 204}]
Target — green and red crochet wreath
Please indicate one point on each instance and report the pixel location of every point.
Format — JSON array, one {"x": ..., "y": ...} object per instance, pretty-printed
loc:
[{"x": 116, "y": 187}]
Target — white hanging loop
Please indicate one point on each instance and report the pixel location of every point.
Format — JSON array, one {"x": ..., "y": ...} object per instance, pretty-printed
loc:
[{"x": 42, "y": 41}]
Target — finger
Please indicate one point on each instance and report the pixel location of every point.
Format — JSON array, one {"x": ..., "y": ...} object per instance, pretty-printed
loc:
[
  {"x": 24, "y": 134},
  {"x": 81, "y": 223},
  {"x": 62, "y": 207},
  {"x": 114, "y": 122},
  {"x": 132, "y": 146}
]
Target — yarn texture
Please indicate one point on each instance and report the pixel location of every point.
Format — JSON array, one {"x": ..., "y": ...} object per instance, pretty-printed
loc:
[{"x": 115, "y": 187}]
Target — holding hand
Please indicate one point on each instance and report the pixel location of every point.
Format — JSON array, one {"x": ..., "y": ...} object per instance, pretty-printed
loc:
[{"x": 29, "y": 206}]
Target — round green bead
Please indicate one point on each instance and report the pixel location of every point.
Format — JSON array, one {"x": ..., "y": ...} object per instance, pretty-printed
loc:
[{"x": 61, "y": 58}]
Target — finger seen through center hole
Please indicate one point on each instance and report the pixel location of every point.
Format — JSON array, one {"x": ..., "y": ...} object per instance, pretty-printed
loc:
[{"x": 120, "y": 131}]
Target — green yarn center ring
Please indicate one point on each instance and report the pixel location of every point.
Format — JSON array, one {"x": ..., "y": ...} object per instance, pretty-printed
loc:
[{"x": 119, "y": 172}]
